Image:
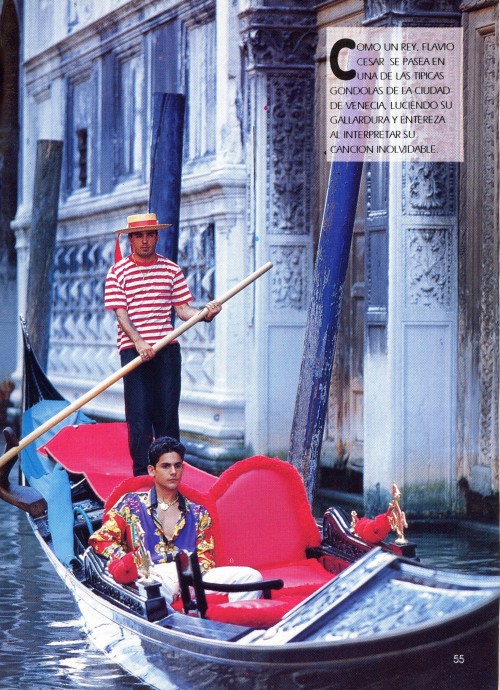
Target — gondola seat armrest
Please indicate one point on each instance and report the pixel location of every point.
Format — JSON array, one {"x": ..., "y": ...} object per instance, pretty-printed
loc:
[
  {"x": 189, "y": 575},
  {"x": 265, "y": 585}
]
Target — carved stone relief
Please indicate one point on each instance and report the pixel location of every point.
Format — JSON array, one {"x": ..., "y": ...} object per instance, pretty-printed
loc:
[
  {"x": 197, "y": 260},
  {"x": 429, "y": 189},
  {"x": 274, "y": 38},
  {"x": 83, "y": 334},
  {"x": 289, "y": 277},
  {"x": 198, "y": 358},
  {"x": 489, "y": 345},
  {"x": 376, "y": 9},
  {"x": 428, "y": 267},
  {"x": 289, "y": 143},
  {"x": 289, "y": 47}
]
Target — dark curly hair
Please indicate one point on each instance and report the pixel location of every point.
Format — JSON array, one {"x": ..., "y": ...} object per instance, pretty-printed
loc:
[{"x": 162, "y": 445}]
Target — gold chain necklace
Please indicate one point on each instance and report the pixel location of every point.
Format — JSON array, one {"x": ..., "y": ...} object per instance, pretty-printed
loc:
[{"x": 165, "y": 506}]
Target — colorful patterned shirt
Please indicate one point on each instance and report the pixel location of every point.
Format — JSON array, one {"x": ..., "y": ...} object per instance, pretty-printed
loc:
[
  {"x": 120, "y": 534},
  {"x": 148, "y": 293}
]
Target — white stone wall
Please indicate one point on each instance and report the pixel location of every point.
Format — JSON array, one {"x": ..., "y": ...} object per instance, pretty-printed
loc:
[{"x": 414, "y": 379}]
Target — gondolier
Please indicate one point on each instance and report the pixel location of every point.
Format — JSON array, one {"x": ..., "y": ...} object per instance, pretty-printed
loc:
[
  {"x": 163, "y": 522},
  {"x": 142, "y": 289}
]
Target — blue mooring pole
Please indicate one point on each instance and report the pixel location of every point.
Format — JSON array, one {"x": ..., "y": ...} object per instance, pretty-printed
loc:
[
  {"x": 322, "y": 323},
  {"x": 166, "y": 168}
]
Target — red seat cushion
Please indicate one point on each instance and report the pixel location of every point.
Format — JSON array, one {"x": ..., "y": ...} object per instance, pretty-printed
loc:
[
  {"x": 99, "y": 451},
  {"x": 212, "y": 599},
  {"x": 252, "y": 613},
  {"x": 261, "y": 518},
  {"x": 303, "y": 576},
  {"x": 196, "y": 483}
]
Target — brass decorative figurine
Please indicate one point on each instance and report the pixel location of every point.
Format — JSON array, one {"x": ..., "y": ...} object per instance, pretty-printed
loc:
[
  {"x": 354, "y": 519},
  {"x": 142, "y": 556},
  {"x": 397, "y": 518}
]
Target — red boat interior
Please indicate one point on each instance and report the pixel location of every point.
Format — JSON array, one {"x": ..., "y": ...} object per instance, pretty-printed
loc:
[{"x": 260, "y": 513}]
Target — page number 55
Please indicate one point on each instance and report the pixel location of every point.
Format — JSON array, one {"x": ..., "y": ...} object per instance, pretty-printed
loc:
[{"x": 458, "y": 659}]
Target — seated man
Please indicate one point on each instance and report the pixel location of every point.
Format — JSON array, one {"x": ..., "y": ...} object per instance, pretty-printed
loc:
[{"x": 164, "y": 522}]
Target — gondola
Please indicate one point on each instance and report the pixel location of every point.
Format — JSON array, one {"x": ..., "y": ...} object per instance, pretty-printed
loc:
[{"x": 340, "y": 611}]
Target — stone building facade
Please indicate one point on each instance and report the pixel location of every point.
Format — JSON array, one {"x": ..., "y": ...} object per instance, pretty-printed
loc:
[{"x": 414, "y": 394}]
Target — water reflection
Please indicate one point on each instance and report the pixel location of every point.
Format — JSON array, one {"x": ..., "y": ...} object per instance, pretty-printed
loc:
[
  {"x": 467, "y": 547},
  {"x": 42, "y": 643}
]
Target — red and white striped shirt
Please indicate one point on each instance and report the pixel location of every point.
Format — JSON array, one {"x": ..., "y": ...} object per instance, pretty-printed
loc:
[{"x": 148, "y": 293}]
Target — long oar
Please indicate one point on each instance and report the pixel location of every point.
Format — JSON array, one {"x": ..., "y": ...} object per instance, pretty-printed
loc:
[{"x": 120, "y": 373}]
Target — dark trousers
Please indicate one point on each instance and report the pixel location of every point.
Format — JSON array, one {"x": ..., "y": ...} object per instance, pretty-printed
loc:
[{"x": 152, "y": 393}]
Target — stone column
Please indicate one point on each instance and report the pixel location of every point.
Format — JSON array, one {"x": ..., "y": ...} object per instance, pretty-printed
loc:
[
  {"x": 279, "y": 50},
  {"x": 478, "y": 333},
  {"x": 411, "y": 315}
]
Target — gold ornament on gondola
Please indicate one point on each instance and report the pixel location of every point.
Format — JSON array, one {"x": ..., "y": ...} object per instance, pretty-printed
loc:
[
  {"x": 141, "y": 554},
  {"x": 397, "y": 518},
  {"x": 375, "y": 530}
]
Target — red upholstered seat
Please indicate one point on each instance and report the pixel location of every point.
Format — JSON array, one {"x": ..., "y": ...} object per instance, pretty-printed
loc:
[
  {"x": 305, "y": 575},
  {"x": 261, "y": 515},
  {"x": 262, "y": 518},
  {"x": 213, "y": 599},
  {"x": 252, "y": 613},
  {"x": 196, "y": 483},
  {"x": 101, "y": 453},
  {"x": 260, "y": 512},
  {"x": 142, "y": 483}
]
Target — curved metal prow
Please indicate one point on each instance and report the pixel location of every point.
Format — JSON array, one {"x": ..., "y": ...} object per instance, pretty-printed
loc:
[{"x": 36, "y": 384}]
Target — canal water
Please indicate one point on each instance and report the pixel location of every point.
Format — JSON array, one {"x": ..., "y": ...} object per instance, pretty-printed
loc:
[{"x": 42, "y": 643}]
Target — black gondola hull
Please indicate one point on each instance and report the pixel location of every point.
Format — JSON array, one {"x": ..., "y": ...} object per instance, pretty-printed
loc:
[{"x": 171, "y": 654}]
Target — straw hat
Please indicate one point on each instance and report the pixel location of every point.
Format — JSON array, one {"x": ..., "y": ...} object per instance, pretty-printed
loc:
[{"x": 142, "y": 221}]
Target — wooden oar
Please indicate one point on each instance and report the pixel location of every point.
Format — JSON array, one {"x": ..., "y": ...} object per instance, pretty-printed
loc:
[{"x": 120, "y": 373}]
